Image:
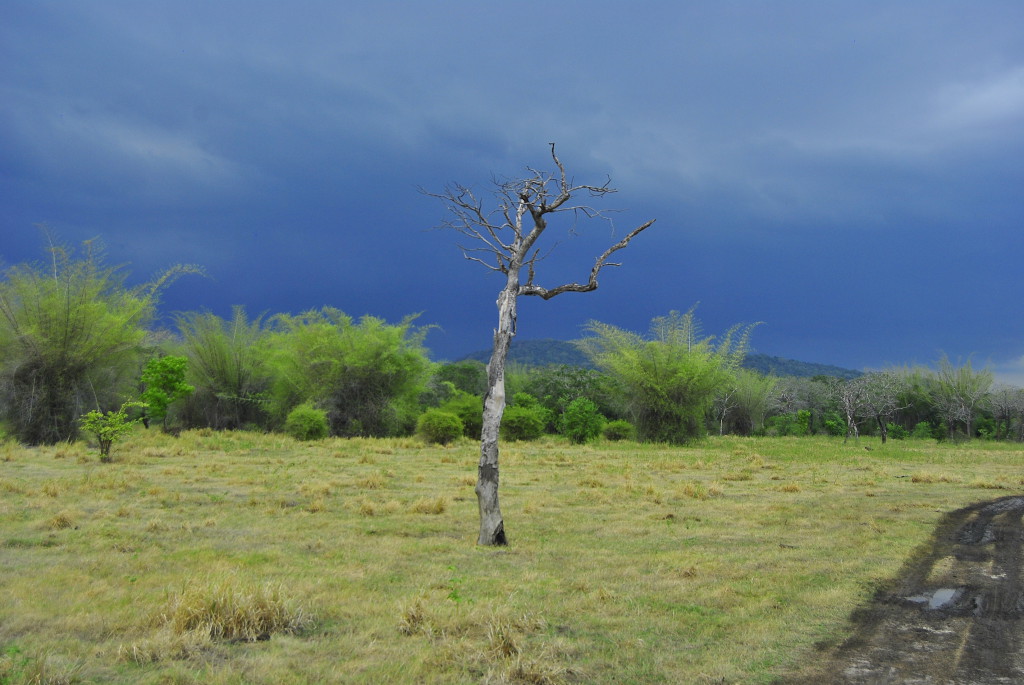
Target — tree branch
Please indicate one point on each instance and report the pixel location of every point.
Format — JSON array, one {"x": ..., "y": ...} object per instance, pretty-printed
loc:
[{"x": 529, "y": 288}]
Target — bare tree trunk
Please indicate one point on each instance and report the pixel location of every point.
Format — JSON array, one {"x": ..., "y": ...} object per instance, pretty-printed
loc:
[
  {"x": 508, "y": 245},
  {"x": 492, "y": 526}
]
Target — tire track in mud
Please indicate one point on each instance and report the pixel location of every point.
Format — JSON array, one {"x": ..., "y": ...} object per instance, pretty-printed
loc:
[{"x": 955, "y": 613}]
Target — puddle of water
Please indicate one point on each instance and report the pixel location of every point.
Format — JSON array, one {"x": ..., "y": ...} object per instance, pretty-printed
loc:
[
  {"x": 938, "y": 599},
  {"x": 942, "y": 597}
]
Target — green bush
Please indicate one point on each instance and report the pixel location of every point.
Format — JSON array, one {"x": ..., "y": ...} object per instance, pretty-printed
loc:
[
  {"x": 521, "y": 423},
  {"x": 922, "y": 430},
  {"x": 581, "y": 421},
  {"x": 110, "y": 427},
  {"x": 985, "y": 427},
  {"x": 896, "y": 431},
  {"x": 619, "y": 430},
  {"x": 834, "y": 424},
  {"x": 796, "y": 423},
  {"x": 470, "y": 410},
  {"x": 306, "y": 422},
  {"x": 227, "y": 366},
  {"x": 368, "y": 375},
  {"x": 528, "y": 401},
  {"x": 438, "y": 426},
  {"x": 670, "y": 379}
]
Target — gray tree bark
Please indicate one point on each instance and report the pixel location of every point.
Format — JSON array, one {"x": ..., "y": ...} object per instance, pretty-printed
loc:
[
  {"x": 509, "y": 247},
  {"x": 492, "y": 525}
]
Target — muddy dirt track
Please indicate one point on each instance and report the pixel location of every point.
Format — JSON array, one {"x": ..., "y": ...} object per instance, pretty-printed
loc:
[{"x": 954, "y": 614}]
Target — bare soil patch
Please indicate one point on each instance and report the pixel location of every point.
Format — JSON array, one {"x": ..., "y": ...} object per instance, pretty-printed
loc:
[{"x": 953, "y": 615}]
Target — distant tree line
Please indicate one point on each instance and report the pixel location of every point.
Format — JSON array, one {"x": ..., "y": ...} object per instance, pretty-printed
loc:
[{"x": 75, "y": 340}]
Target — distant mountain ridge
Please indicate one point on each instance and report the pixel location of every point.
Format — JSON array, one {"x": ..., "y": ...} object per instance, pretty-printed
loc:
[{"x": 547, "y": 352}]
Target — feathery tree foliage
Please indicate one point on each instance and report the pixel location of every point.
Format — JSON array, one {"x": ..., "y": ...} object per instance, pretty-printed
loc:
[
  {"x": 752, "y": 398},
  {"x": 71, "y": 339},
  {"x": 227, "y": 367},
  {"x": 367, "y": 376},
  {"x": 669, "y": 380}
]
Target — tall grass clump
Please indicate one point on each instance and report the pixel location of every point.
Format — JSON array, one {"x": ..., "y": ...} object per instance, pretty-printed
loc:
[{"x": 231, "y": 609}]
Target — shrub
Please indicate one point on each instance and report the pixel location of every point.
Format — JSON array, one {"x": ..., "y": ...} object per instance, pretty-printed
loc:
[
  {"x": 470, "y": 410},
  {"x": 548, "y": 417},
  {"x": 227, "y": 366},
  {"x": 834, "y": 424},
  {"x": 896, "y": 431},
  {"x": 922, "y": 430},
  {"x": 670, "y": 379},
  {"x": 796, "y": 423},
  {"x": 520, "y": 423},
  {"x": 985, "y": 427},
  {"x": 368, "y": 375},
  {"x": 438, "y": 426},
  {"x": 110, "y": 427},
  {"x": 619, "y": 430},
  {"x": 306, "y": 422},
  {"x": 581, "y": 422}
]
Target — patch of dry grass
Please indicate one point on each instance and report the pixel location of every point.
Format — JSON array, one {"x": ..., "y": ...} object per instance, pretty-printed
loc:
[
  {"x": 233, "y": 609},
  {"x": 200, "y": 558}
]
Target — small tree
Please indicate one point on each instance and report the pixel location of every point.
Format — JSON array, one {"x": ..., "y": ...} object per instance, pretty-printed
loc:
[
  {"x": 164, "y": 380},
  {"x": 110, "y": 427},
  {"x": 1007, "y": 404},
  {"x": 581, "y": 421},
  {"x": 505, "y": 240},
  {"x": 852, "y": 398}
]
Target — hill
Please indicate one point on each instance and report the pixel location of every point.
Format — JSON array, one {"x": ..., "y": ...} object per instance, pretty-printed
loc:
[
  {"x": 547, "y": 352},
  {"x": 780, "y": 366}
]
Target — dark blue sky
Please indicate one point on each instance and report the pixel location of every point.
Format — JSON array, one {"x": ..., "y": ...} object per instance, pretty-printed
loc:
[{"x": 848, "y": 173}]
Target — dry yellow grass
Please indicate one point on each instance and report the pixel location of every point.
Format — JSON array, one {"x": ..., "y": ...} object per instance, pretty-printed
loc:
[{"x": 726, "y": 562}]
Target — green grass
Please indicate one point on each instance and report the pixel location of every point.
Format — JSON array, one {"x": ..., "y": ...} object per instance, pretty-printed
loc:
[{"x": 245, "y": 558}]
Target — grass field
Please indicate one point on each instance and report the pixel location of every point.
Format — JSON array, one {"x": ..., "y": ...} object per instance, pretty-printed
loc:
[{"x": 247, "y": 558}]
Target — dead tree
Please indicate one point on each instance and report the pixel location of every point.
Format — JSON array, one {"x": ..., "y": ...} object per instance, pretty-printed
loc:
[{"x": 505, "y": 238}]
